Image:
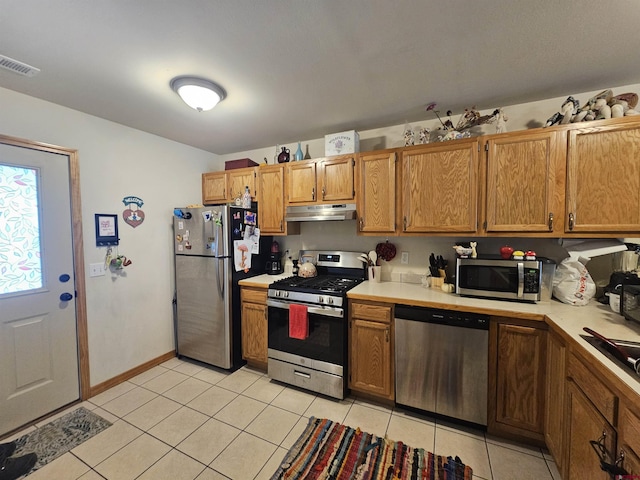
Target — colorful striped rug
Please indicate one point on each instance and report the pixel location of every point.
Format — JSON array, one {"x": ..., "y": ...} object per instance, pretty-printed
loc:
[{"x": 330, "y": 450}]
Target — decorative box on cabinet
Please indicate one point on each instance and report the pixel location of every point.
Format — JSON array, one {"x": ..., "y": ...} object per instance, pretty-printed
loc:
[{"x": 371, "y": 349}]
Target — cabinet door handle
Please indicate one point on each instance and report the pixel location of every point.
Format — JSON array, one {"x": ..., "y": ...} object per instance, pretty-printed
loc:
[
  {"x": 313, "y": 193},
  {"x": 323, "y": 192},
  {"x": 603, "y": 455},
  {"x": 386, "y": 334},
  {"x": 551, "y": 221},
  {"x": 404, "y": 224},
  {"x": 361, "y": 223},
  {"x": 281, "y": 226},
  {"x": 572, "y": 221}
]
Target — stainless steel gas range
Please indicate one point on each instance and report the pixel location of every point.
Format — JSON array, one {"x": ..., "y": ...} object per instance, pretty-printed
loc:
[{"x": 317, "y": 359}]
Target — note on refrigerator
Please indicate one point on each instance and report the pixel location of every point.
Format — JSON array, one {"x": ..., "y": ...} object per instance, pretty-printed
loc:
[{"x": 242, "y": 255}]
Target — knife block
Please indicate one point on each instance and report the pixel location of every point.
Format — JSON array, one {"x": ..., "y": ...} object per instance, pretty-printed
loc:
[{"x": 436, "y": 282}]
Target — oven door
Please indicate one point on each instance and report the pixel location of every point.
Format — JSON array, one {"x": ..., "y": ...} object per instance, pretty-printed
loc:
[{"x": 327, "y": 340}]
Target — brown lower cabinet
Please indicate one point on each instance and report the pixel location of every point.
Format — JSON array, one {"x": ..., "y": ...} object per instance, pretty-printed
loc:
[
  {"x": 371, "y": 349},
  {"x": 629, "y": 438},
  {"x": 517, "y": 362},
  {"x": 585, "y": 424},
  {"x": 556, "y": 394},
  {"x": 254, "y": 326}
]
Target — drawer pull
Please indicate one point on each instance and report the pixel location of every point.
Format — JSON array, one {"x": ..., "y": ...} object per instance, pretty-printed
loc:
[{"x": 301, "y": 374}]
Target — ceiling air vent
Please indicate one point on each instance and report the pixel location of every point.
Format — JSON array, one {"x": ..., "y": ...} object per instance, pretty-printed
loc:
[{"x": 18, "y": 67}]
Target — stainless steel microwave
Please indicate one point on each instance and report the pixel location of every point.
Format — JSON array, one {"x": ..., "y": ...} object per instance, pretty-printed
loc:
[
  {"x": 630, "y": 299},
  {"x": 497, "y": 278}
]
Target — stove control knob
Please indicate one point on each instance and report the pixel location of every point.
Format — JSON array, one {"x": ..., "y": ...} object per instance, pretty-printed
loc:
[
  {"x": 277, "y": 293},
  {"x": 320, "y": 299},
  {"x": 286, "y": 294},
  {"x": 330, "y": 300}
]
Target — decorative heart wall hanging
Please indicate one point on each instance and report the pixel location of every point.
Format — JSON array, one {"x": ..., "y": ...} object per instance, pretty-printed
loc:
[{"x": 133, "y": 215}]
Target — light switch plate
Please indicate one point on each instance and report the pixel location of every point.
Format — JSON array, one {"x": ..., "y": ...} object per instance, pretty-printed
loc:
[{"x": 96, "y": 269}]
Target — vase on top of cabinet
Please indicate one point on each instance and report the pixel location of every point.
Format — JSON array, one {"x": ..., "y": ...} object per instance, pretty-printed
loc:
[{"x": 283, "y": 156}]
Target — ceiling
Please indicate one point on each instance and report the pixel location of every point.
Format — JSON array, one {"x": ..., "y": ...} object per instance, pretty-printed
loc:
[{"x": 299, "y": 69}]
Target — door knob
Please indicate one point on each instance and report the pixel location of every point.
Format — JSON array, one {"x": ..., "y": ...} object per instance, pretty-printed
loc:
[{"x": 66, "y": 296}]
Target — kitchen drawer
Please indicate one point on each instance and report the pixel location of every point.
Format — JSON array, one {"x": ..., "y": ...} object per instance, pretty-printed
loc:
[
  {"x": 366, "y": 311},
  {"x": 253, "y": 295},
  {"x": 630, "y": 429},
  {"x": 601, "y": 397}
]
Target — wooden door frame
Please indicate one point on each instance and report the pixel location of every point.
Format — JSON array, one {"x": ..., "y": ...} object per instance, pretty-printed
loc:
[{"x": 78, "y": 252}]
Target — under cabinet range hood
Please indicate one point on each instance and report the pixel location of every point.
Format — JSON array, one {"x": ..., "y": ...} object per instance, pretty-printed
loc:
[{"x": 315, "y": 213}]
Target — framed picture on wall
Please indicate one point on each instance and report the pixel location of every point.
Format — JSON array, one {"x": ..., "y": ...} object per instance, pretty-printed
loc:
[{"x": 106, "y": 229}]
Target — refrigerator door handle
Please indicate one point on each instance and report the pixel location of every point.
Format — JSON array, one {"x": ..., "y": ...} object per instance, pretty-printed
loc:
[
  {"x": 216, "y": 240},
  {"x": 218, "y": 282}
]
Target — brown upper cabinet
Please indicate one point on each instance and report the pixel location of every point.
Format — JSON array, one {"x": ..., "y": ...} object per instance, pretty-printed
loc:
[
  {"x": 214, "y": 188},
  {"x": 525, "y": 182},
  {"x": 271, "y": 201},
  {"x": 440, "y": 187},
  {"x": 376, "y": 194},
  {"x": 226, "y": 186},
  {"x": 325, "y": 180},
  {"x": 603, "y": 177}
]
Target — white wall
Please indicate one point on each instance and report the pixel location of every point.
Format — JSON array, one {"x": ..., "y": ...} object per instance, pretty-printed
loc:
[{"x": 129, "y": 316}]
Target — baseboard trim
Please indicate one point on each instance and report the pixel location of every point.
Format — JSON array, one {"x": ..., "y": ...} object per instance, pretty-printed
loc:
[{"x": 123, "y": 377}]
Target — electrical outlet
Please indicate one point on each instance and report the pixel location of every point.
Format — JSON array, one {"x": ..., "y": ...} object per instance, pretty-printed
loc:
[
  {"x": 405, "y": 257},
  {"x": 96, "y": 269}
]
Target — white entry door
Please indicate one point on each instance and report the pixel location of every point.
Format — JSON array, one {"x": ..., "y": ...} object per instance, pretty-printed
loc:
[{"x": 38, "y": 340}]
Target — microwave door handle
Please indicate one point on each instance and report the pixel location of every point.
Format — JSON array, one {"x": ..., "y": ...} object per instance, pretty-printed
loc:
[{"x": 520, "y": 279}]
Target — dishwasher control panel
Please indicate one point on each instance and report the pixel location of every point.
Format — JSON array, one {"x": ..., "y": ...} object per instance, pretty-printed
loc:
[{"x": 444, "y": 317}]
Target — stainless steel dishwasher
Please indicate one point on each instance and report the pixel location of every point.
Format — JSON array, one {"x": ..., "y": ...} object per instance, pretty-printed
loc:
[{"x": 442, "y": 361}]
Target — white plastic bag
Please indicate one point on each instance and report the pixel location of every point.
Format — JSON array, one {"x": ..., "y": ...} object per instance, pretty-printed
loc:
[{"x": 572, "y": 282}]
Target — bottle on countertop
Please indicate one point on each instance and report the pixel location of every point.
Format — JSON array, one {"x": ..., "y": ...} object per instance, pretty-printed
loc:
[{"x": 246, "y": 198}]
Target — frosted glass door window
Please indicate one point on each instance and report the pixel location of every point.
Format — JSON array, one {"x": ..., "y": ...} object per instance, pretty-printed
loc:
[{"x": 20, "y": 255}]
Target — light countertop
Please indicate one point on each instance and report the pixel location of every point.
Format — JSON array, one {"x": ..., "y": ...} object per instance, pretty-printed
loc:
[{"x": 567, "y": 318}]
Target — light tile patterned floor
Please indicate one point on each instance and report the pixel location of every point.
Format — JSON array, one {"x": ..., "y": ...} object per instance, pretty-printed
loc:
[{"x": 183, "y": 421}]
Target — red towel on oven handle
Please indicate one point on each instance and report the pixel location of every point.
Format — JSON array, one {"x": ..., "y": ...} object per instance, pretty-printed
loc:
[{"x": 298, "y": 321}]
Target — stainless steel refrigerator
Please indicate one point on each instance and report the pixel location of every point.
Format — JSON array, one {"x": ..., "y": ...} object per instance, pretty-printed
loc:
[{"x": 210, "y": 245}]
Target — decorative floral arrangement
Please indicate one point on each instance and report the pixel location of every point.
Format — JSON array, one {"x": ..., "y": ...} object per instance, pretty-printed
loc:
[{"x": 469, "y": 119}]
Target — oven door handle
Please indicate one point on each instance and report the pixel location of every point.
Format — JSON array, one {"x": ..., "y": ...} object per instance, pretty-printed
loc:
[{"x": 324, "y": 311}]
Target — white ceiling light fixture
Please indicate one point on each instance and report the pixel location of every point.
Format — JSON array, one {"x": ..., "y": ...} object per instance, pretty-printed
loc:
[{"x": 199, "y": 93}]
